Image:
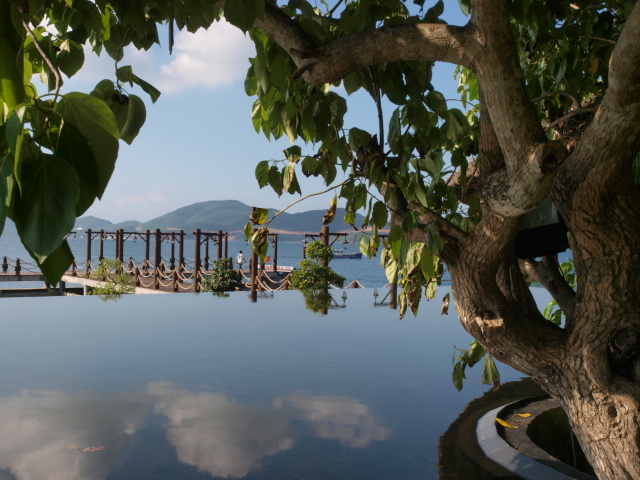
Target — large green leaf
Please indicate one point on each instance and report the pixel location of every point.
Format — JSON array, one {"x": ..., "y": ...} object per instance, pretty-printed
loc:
[
  {"x": 130, "y": 117},
  {"x": 56, "y": 264},
  {"x": 6, "y": 187},
  {"x": 12, "y": 90},
  {"x": 241, "y": 13},
  {"x": 75, "y": 149},
  {"x": 46, "y": 211},
  {"x": 96, "y": 122},
  {"x": 70, "y": 57}
]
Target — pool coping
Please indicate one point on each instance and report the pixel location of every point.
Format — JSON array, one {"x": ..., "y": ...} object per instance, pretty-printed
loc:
[{"x": 501, "y": 452}]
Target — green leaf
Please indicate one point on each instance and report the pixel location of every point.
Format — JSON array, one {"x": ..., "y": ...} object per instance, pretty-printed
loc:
[
  {"x": 125, "y": 74},
  {"x": 465, "y": 6},
  {"x": 358, "y": 139},
  {"x": 46, "y": 211},
  {"x": 434, "y": 12},
  {"x": 391, "y": 270},
  {"x": 431, "y": 290},
  {"x": 97, "y": 123},
  {"x": 288, "y": 176},
  {"x": 475, "y": 354},
  {"x": 262, "y": 173},
  {"x": 241, "y": 13},
  {"x": 15, "y": 135},
  {"x": 428, "y": 263},
  {"x": 458, "y": 376},
  {"x": 293, "y": 153},
  {"x": 275, "y": 179},
  {"x": 104, "y": 90},
  {"x": 260, "y": 242},
  {"x": 75, "y": 149},
  {"x": 12, "y": 91},
  {"x": 248, "y": 231},
  {"x": 434, "y": 240},
  {"x": 259, "y": 215},
  {"x": 490, "y": 376},
  {"x": 130, "y": 117},
  {"x": 70, "y": 57},
  {"x": 380, "y": 214},
  {"x": 413, "y": 258},
  {"x": 6, "y": 187},
  {"x": 56, "y": 264}
]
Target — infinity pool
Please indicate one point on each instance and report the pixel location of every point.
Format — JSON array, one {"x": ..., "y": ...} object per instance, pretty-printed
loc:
[{"x": 198, "y": 387}]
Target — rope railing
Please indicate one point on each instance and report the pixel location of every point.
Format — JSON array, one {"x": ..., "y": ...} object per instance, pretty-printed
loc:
[{"x": 162, "y": 277}]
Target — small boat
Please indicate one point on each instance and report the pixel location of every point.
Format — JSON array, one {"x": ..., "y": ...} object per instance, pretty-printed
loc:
[{"x": 339, "y": 254}]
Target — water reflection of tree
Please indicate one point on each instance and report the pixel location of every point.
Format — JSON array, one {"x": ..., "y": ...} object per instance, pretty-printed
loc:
[{"x": 320, "y": 301}]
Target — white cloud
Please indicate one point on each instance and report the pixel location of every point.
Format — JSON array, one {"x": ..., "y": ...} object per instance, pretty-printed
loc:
[
  {"x": 344, "y": 419},
  {"x": 143, "y": 199},
  {"x": 45, "y": 434},
  {"x": 210, "y": 58},
  {"x": 217, "y": 434}
]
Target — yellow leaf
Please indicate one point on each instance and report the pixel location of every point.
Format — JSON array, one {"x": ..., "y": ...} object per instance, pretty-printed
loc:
[
  {"x": 93, "y": 449},
  {"x": 525, "y": 415},
  {"x": 504, "y": 424}
]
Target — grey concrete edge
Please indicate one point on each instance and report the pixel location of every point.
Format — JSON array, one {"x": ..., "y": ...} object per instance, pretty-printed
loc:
[{"x": 499, "y": 451}]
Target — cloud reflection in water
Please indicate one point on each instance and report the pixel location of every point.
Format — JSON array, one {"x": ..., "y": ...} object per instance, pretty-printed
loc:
[{"x": 44, "y": 433}]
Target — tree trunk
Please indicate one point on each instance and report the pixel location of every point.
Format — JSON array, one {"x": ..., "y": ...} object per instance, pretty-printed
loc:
[{"x": 592, "y": 366}]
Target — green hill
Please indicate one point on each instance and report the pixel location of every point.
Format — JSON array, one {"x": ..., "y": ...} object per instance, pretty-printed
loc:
[{"x": 225, "y": 215}]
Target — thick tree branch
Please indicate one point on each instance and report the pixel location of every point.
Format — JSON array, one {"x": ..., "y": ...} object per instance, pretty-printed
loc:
[
  {"x": 512, "y": 112},
  {"x": 548, "y": 274},
  {"x": 513, "y": 130},
  {"x": 333, "y": 62},
  {"x": 515, "y": 193}
]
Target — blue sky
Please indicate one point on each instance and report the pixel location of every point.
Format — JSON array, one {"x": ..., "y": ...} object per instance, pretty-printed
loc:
[{"x": 198, "y": 143}]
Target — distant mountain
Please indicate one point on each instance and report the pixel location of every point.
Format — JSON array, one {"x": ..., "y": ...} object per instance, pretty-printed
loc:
[
  {"x": 225, "y": 215},
  {"x": 93, "y": 223}
]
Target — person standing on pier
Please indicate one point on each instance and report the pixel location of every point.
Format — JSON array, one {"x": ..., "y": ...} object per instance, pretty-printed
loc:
[{"x": 240, "y": 260}]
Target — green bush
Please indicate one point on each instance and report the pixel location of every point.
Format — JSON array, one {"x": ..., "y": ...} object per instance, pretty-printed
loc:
[
  {"x": 113, "y": 280},
  {"x": 224, "y": 278},
  {"x": 314, "y": 273}
]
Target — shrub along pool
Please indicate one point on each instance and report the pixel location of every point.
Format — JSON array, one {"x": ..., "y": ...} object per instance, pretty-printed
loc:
[{"x": 196, "y": 386}]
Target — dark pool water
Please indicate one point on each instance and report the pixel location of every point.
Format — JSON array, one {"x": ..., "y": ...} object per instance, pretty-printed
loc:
[{"x": 200, "y": 387}]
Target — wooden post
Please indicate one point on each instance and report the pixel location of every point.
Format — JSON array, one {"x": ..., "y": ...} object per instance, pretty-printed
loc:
[
  {"x": 393, "y": 296},
  {"x": 5, "y": 264},
  {"x": 157, "y": 260},
  {"x": 88, "y": 265},
  {"x": 137, "y": 277},
  {"x": 147, "y": 247},
  {"x": 254, "y": 271},
  {"x": 261, "y": 275},
  {"x": 325, "y": 239},
  {"x": 101, "y": 255},
  {"x": 18, "y": 267},
  {"x": 121, "y": 245},
  {"x": 173, "y": 251},
  {"x": 117, "y": 242},
  {"x": 175, "y": 280},
  {"x": 207, "y": 237},
  {"x": 196, "y": 263},
  {"x": 220, "y": 239},
  {"x": 181, "y": 251},
  {"x": 275, "y": 254}
]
